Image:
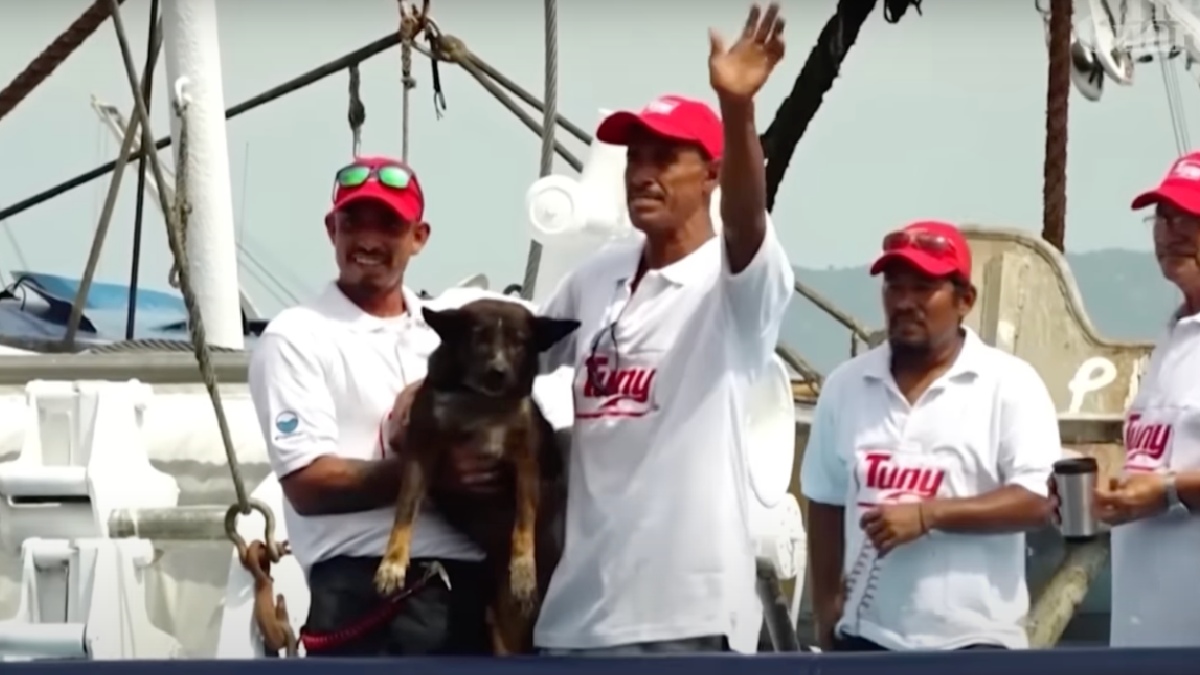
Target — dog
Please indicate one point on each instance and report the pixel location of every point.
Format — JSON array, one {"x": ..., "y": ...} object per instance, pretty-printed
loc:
[{"x": 479, "y": 390}]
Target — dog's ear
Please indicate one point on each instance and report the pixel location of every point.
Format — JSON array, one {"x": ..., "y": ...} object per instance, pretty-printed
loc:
[
  {"x": 548, "y": 331},
  {"x": 448, "y": 323}
]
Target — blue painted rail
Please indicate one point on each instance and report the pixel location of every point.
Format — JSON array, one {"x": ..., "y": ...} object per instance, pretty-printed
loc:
[{"x": 1050, "y": 662}]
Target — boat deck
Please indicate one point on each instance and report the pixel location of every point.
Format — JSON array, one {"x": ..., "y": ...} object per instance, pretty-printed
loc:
[{"x": 1091, "y": 661}]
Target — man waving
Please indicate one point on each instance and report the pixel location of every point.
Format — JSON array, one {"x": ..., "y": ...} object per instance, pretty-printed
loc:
[{"x": 676, "y": 325}]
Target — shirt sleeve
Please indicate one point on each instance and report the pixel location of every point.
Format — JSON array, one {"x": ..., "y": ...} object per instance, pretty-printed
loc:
[
  {"x": 758, "y": 296},
  {"x": 562, "y": 305},
  {"x": 824, "y": 475},
  {"x": 294, "y": 407},
  {"x": 1029, "y": 439}
]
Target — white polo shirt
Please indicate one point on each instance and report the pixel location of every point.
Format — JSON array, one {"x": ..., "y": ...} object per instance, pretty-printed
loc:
[
  {"x": 324, "y": 376},
  {"x": 658, "y": 544},
  {"x": 987, "y": 423},
  {"x": 1156, "y": 562}
]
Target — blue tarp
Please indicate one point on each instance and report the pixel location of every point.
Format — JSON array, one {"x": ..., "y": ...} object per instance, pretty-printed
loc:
[
  {"x": 37, "y": 306},
  {"x": 983, "y": 662}
]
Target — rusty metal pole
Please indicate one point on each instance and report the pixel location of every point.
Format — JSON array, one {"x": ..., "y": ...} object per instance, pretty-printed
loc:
[{"x": 1058, "y": 95}]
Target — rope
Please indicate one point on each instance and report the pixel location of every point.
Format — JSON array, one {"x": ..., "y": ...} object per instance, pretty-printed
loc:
[
  {"x": 815, "y": 80},
  {"x": 411, "y": 25},
  {"x": 1058, "y": 94},
  {"x": 177, "y": 215},
  {"x": 452, "y": 49},
  {"x": 550, "y": 19},
  {"x": 356, "y": 115},
  {"x": 53, "y": 55}
]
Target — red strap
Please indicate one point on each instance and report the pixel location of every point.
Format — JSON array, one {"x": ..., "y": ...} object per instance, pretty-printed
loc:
[{"x": 316, "y": 642}]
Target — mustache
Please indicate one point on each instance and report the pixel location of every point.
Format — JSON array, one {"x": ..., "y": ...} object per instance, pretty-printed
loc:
[
  {"x": 1183, "y": 249},
  {"x": 370, "y": 249},
  {"x": 643, "y": 189},
  {"x": 904, "y": 315}
]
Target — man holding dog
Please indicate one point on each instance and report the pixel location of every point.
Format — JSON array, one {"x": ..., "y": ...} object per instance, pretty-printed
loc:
[
  {"x": 324, "y": 379},
  {"x": 659, "y": 557}
]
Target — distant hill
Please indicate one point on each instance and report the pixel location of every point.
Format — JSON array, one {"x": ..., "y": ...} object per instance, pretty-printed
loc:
[{"x": 1125, "y": 297}]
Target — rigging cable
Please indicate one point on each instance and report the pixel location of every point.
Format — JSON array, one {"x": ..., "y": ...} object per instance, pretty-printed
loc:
[
  {"x": 309, "y": 77},
  {"x": 177, "y": 215},
  {"x": 153, "y": 47},
  {"x": 1174, "y": 95},
  {"x": 550, "y": 99},
  {"x": 441, "y": 48},
  {"x": 128, "y": 137}
]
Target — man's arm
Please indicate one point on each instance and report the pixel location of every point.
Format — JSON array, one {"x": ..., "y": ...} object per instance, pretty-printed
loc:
[
  {"x": 759, "y": 278},
  {"x": 299, "y": 424},
  {"x": 824, "y": 479},
  {"x": 1187, "y": 484},
  {"x": 1029, "y": 447}
]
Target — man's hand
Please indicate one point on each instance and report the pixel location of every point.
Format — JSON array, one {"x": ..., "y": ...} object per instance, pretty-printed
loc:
[
  {"x": 397, "y": 420},
  {"x": 1055, "y": 501},
  {"x": 465, "y": 469},
  {"x": 738, "y": 72},
  {"x": 1137, "y": 496},
  {"x": 893, "y": 525}
]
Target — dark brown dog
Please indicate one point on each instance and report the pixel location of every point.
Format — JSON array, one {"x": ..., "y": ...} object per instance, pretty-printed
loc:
[{"x": 478, "y": 391}]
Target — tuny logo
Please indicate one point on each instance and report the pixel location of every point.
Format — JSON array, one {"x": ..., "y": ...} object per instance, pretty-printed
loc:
[
  {"x": 1145, "y": 440},
  {"x": 616, "y": 392},
  {"x": 885, "y": 481}
]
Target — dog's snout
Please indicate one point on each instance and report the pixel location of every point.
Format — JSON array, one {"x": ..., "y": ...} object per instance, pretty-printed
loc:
[{"x": 495, "y": 374}]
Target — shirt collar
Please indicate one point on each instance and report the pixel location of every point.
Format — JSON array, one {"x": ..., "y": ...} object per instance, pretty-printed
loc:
[
  {"x": 691, "y": 267},
  {"x": 967, "y": 365},
  {"x": 334, "y": 304}
]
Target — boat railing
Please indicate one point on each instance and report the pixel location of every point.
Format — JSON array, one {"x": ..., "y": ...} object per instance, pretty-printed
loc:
[{"x": 811, "y": 378}]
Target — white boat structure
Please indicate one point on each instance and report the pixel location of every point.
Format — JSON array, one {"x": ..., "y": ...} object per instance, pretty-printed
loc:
[{"x": 128, "y": 485}]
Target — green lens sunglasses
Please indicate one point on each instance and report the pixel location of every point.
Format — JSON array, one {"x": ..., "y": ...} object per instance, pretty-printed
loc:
[{"x": 356, "y": 175}]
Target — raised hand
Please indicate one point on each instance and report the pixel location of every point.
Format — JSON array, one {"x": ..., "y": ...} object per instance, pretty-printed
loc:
[{"x": 739, "y": 71}]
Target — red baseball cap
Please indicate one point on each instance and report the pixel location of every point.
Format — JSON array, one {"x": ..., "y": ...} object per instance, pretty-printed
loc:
[
  {"x": 1180, "y": 187},
  {"x": 407, "y": 202},
  {"x": 675, "y": 117},
  {"x": 936, "y": 248}
]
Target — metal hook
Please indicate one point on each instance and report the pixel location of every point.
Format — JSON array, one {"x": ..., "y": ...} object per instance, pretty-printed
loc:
[
  {"x": 182, "y": 100},
  {"x": 275, "y": 549}
]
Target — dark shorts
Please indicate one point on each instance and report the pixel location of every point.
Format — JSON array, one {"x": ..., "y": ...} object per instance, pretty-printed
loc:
[
  {"x": 850, "y": 643},
  {"x": 701, "y": 645},
  {"x": 433, "y": 620}
]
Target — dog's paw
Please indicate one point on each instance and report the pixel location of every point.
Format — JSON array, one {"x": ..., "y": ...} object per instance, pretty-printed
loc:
[
  {"x": 389, "y": 578},
  {"x": 522, "y": 581}
]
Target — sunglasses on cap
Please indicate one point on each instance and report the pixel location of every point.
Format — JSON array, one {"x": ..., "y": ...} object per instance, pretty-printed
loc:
[
  {"x": 934, "y": 244},
  {"x": 391, "y": 176}
]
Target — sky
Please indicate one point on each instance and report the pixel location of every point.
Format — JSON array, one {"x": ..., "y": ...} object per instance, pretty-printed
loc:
[{"x": 939, "y": 116}]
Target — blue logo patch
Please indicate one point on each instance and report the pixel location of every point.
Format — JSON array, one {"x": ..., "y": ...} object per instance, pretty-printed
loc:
[{"x": 287, "y": 422}]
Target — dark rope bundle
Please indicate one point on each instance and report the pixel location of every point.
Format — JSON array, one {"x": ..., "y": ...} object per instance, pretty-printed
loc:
[
  {"x": 356, "y": 113},
  {"x": 816, "y": 78}
]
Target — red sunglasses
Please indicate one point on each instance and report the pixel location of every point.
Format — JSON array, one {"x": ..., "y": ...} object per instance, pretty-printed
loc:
[{"x": 935, "y": 244}]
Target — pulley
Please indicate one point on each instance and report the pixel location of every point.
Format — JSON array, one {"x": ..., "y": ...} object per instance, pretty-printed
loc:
[{"x": 1086, "y": 73}]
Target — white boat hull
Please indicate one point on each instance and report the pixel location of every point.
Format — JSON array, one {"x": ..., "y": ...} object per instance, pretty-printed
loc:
[{"x": 187, "y": 583}]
